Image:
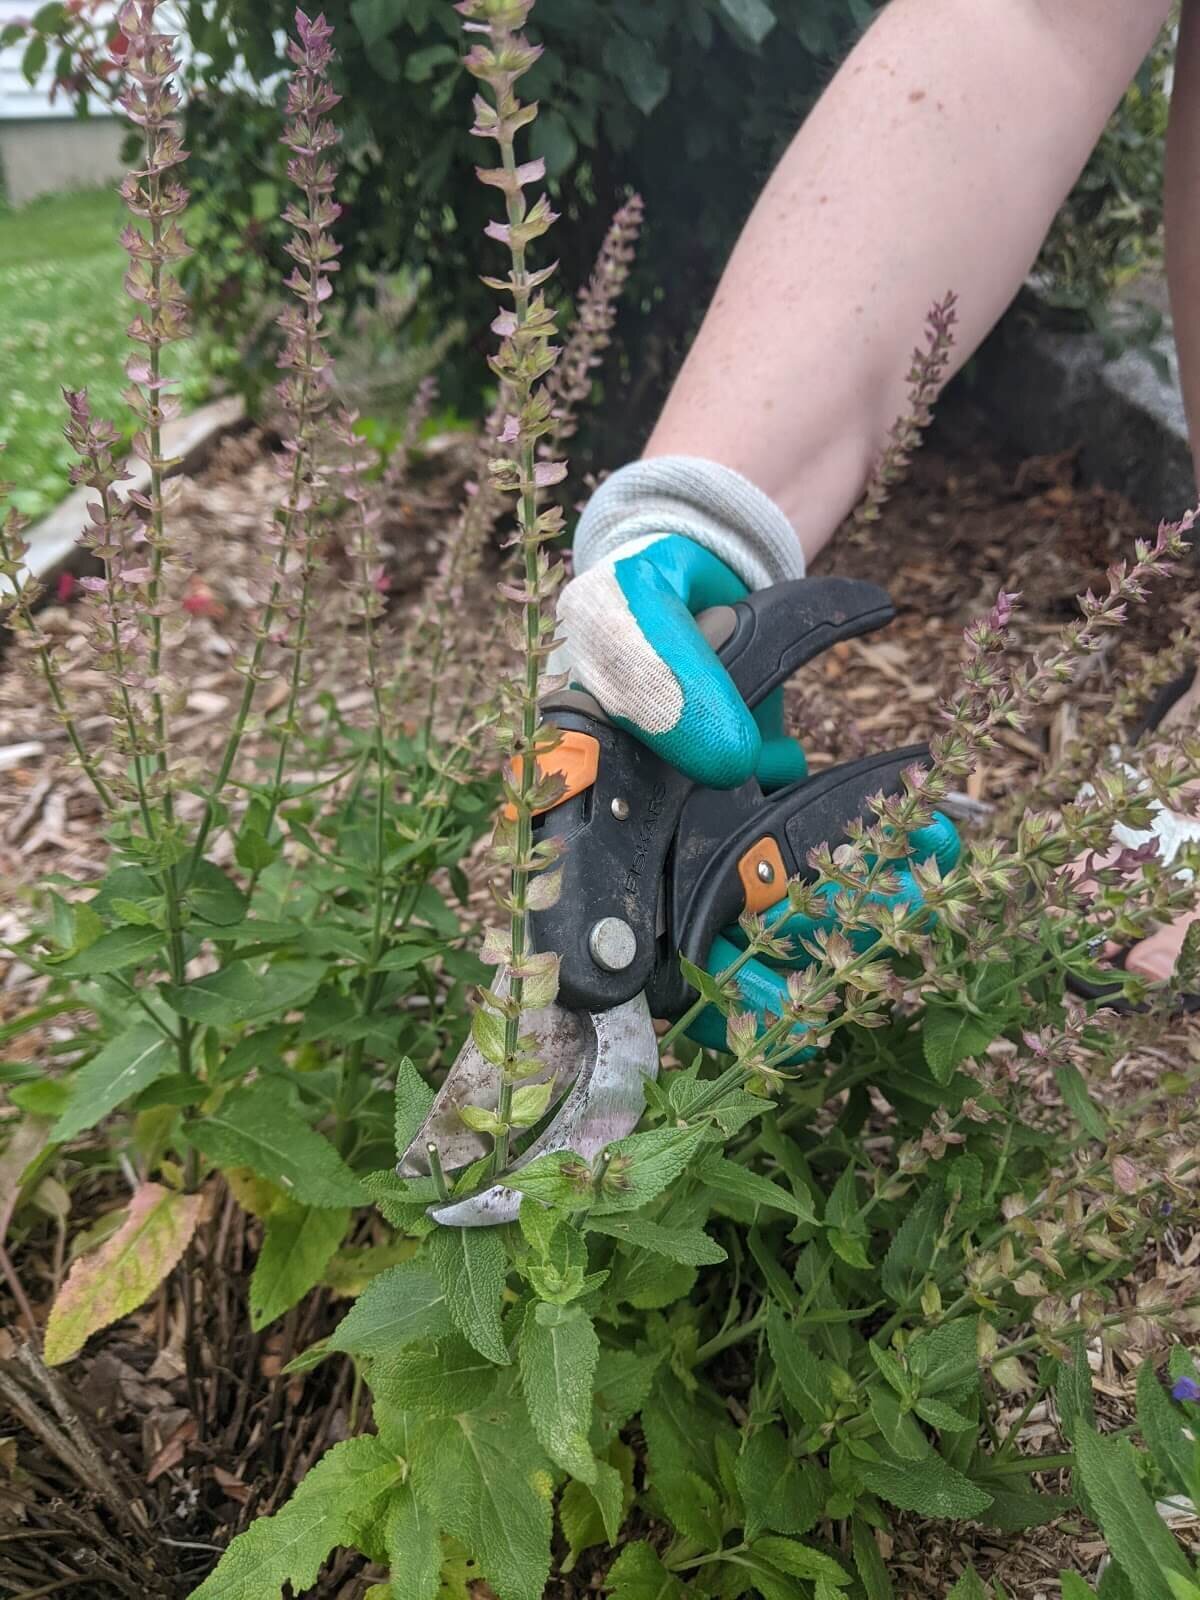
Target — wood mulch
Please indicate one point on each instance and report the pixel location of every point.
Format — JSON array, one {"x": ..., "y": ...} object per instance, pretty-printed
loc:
[{"x": 201, "y": 1445}]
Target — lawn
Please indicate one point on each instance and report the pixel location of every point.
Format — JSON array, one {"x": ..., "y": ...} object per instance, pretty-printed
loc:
[{"x": 62, "y": 322}]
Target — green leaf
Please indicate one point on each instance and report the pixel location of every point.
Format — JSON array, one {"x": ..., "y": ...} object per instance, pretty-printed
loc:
[
  {"x": 1139, "y": 1540},
  {"x": 692, "y": 1246},
  {"x": 109, "y": 1282},
  {"x": 725, "y": 1177},
  {"x": 802, "y": 1374},
  {"x": 121, "y": 1070},
  {"x": 623, "y": 1380},
  {"x": 638, "y": 1574},
  {"x": 583, "y": 1521},
  {"x": 780, "y": 1492},
  {"x": 42, "y": 1097},
  {"x": 115, "y": 952},
  {"x": 868, "y": 1563},
  {"x": 214, "y": 896},
  {"x": 1082, "y": 1107},
  {"x": 950, "y": 1035},
  {"x": 34, "y": 58},
  {"x": 439, "y": 1382},
  {"x": 558, "y": 1354},
  {"x": 969, "y": 1587},
  {"x": 375, "y": 19},
  {"x": 1073, "y": 1390},
  {"x": 257, "y": 1127},
  {"x": 1074, "y": 1588},
  {"x": 1162, "y": 1425},
  {"x": 910, "y": 1252},
  {"x": 655, "y": 1160},
  {"x": 935, "y": 1489},
  {"x": 397, "y": 1308},
  {"x": 348, "y": 1482},
  {"x": 238, "y": 993},
  {"x": 632, "y": 62},
  {"x": 471, "y": 1266},
  {"x": 801, "y": 1561},
  {"x": 413, "y": 1098},
  {"x": 943, "y": 1417},
  {"x": 487, "y": 1482},
  {"x": 946, "y": 1358},
  {"x": 297, "y": 1245},
  {"x": 754, "y": 18},
  {"x": 1013, "y": 1510},
  {"x": 487, "y": 1030},
  {"x": 414, "y": 1548}
]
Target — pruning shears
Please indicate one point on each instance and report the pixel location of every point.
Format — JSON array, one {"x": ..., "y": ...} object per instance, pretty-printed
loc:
[{"x": 654, "y": 867}]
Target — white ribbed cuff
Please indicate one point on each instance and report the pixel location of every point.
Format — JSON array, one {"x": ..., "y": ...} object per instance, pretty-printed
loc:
[{"x": 710, "y": 504}]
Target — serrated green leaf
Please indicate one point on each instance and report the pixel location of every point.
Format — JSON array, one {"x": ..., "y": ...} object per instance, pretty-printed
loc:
[
  {"x": 582, "y": 1518},
  {"x": 911, "y": 1250},
  {"x": 414, "y": 1548},
  {"x": 969, "y": 1587},
  {"x": 622, "y": 1383},
  {"x": 936, "y": 1490},
  {"x": 638, "y": 1574},
  {"x": 803, "y": 1375},
  {"x": 1079, "y": 1101},
  {"x": 109, "y": 1282},
  {"x": 1073, "y": 1390},
  {"x": 291, "y": 1546},
  {"x": 118, "y": 1072},
  {"x": 413, "y": 1098},
  {"x": 558, "y": 1354},
  {"x": 487, "y": 1030},
  {"x": 1162, "y": 1425},
  {"x": 725, "y": 1177},
  {"x": 115, "y": 952},
  {"x": 257, "y": 1127},
  {"x": 1013, "y": 1509},
  {"x": 471, "y": 1266},
  {"x": 1137, "y": 1536},
  {"x": 943, "y": 1417},
  {"x": 450, "y": 1378},
  {"x": 781, "y": 1493},
  {"x": 487, "y": 1482},
  {"x": 655, "y": 1159},
  {"x": 529, "y": 1103},
  {"x": 297, "y": 1245},
  {"x": 397, "y": 1308},
  {"x": 239, "y": 993},
  {"x": 801, "y": 1561},
  {"x": 869, "y": 1564},
  {"x": 950, "y": 1035},
  {"x": 897, "y": 1425},
  {"x": 691, "y": 1246},
  {"x": 946, "y": 1359}
]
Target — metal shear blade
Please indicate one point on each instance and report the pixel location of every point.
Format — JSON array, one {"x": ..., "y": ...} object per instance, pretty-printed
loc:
[{"x": 605, "y": 1057}]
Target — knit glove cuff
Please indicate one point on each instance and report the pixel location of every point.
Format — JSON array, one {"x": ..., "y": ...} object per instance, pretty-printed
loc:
[{"x": 712, "y": 505}]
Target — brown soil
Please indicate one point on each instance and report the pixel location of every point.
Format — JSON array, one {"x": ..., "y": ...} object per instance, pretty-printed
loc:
[{"x": 198, "y": 1428}]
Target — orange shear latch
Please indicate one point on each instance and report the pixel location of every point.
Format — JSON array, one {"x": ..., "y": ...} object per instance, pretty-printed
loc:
[{"x": 576, "y": 760}]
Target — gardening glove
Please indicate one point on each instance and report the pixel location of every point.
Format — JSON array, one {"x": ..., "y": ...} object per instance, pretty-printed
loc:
[{"x": 659, "y": 542}]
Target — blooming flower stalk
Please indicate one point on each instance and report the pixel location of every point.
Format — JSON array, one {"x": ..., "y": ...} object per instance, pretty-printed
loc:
[{"x": 524, "y": 359}]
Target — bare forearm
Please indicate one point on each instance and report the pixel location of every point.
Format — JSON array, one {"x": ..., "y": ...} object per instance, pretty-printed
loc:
[
  {"x": 1183, "y": 218},
  {"x": 935, "y": 160}
]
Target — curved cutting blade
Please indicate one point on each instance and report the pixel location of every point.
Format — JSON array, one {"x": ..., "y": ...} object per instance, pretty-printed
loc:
[{"x": 616, "y": 1051}]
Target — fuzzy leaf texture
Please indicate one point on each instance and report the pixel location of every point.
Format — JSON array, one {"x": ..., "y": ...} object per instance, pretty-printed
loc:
[
  {"x": 935, "y": 1488},
  {"x": 638, "y": 1574},
  {"x": 558, "y": 1354},
  {"x": 114, "y": 1279},
  {"x": 1162, "y": 1424},
  {"x": 119, "y": 1071},
  {"x": 414, "y": 1548},
  {"x": 257, "y": 1127},
  {"x": 1141, "y": 1544},
  {"x": 484, "y": 1477},
  {"x": 297, "y": 1247},
  {"x": 349, "y": 1483},
  {"x": 398, "y": 1307},
  {"x": 440, "y": 1382},
  {"x": 471, "y": 1266}
]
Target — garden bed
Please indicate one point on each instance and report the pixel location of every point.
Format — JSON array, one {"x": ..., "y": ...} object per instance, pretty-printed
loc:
[{"x": 208, "y": 1432}]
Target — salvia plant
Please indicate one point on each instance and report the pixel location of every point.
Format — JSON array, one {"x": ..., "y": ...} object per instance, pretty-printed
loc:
[{"x": 808, "y": 1295}]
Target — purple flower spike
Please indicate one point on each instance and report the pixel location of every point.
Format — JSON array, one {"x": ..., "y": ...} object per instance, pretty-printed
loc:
[{"x": 1186, "y": 1389}]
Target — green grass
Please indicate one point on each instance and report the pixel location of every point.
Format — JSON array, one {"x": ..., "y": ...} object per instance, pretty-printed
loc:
[{"x": 62, "y": 324}]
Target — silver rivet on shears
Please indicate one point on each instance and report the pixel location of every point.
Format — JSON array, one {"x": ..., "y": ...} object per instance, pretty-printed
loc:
[
  {"x": 620, "y": 809},
  {"x": 766, "y": 872},
  {"x": 613, "y": 944}
]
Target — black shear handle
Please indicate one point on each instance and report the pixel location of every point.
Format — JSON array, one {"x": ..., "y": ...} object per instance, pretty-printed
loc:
[
  {"x": 719, "y": 856},
  {"x": 620, "y": 832}
]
